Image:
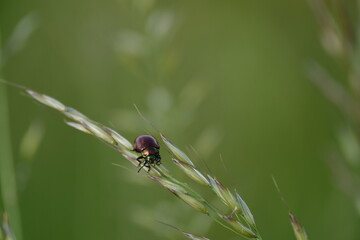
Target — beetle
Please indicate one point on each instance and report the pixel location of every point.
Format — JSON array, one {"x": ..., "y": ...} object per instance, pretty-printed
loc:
[{"x": 149, "y": 148}]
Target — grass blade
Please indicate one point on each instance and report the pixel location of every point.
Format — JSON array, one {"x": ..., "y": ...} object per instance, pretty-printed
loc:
[{"x": 7, "y": 173}]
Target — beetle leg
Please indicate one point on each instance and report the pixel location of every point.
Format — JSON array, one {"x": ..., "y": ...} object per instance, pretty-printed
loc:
[
  {"x": 158, "y": 160},
  {"x": 138, "y": 159},
  {"x": 140, "y": 168},
  {"x": 148, "y": 165},
  {"x": 144, "y": 165}
]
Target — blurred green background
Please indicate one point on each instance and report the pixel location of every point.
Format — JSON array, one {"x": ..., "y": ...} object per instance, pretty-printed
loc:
[{"x": 219, "y": 78}]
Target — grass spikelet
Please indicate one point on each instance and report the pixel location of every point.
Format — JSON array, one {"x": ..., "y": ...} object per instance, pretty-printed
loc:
[
  {"x": 171, "y": 186},
  {"x": 192, "y": 172},
  {"x": 182, "y": 193},
  {"x": 193, "y": 202},
  {"x": 78, "y": 126},
  {"x": 238, "y": 226},
  {"x": 119, "y": 139},
  {"x": 74, "y": 114},
  {"x": 246, "y": 211},
  {"x": 97, "y": 131},
  {"x": 180, "y": 155},
  {"x": 223, "y": 193},
  {"x": 49, "y": 101},
  {"x": 299, "y": 230},
  {"x": 185, "y": 164}
]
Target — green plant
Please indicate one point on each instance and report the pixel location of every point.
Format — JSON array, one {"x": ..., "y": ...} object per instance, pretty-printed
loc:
[{"x": 238, "y": 217}]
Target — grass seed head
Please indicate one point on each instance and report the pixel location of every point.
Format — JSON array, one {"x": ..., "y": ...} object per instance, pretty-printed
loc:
[
  {"x": 97, "y": 131},
  {"x": 119, "y": 139},
  {"x": 239, "y": 227},
  {"x": 75, "y": 115},
  {"x": 180, "y": 155},
  {"x": 223, "y": 193},
  {"x": 171, "y": 186},
  {"x": 299, "y": 230},
  {"x": 181, "y": 193},
  {"x": 245, "y": 210},
  {"x": 192, "y": 172},
  {"x": 48, "y": 101},
  {"x": 193, "y": 202},
  {"x": 161, "y": 175},
  {"x": 78, "y": 126}
]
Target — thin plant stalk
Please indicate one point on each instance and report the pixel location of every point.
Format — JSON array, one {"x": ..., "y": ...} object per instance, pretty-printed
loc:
[
  {"x": 299, "y": 230},
  {"x": 7, "y": 170}
]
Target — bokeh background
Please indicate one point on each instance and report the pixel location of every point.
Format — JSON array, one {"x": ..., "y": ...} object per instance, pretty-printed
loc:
[{"x": 221, "y": 79}]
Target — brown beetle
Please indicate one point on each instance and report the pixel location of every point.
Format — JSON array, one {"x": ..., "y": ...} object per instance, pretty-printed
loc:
[{"x": 149, "y": 149}]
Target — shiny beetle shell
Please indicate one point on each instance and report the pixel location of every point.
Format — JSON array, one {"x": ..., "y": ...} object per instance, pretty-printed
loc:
[{"x": 145, "y": 141}]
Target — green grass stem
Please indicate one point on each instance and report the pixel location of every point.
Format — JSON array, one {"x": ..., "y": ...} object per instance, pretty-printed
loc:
[{"x": 7, "y": 170}]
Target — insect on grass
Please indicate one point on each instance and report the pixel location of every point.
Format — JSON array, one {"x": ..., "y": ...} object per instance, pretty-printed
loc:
[{"x": 149, "y": 148}]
